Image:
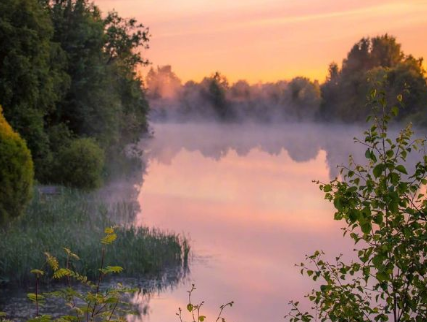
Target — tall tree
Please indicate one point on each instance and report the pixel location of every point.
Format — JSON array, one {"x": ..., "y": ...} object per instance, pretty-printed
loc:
[
  {"x": 370, "y": 58},
  {"x": 31, "y": 71}
]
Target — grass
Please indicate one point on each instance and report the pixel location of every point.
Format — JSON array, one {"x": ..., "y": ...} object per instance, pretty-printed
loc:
[{"x": 77, "y": 220}]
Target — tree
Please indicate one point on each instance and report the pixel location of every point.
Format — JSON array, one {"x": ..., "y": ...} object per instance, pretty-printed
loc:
[
  {"x": 16, "y": 172},
  {"x": 302, "y": 99},
  {"x": 106, "y": 99},
  {"x": 80, "y": 164},
  {"x": 32, "y": 79},
  {"x": 385, "y": 51},
  {"x": 344, "y": 91},
  {"x": 384, "y": 209},
  {"x": 162, "y": 83},
  {"x": 214, "y": 91}
]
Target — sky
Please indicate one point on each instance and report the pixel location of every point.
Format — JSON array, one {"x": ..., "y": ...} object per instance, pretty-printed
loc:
[{"x": 268, "y": 40}]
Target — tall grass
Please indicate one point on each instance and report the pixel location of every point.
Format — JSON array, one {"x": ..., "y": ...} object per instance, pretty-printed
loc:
[{"x": 77, "y": 220}]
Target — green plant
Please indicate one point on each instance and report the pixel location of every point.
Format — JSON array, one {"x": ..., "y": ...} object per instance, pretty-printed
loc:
[
  {"x": 195, "y": 309},
  {"x": 77, "y": 220},
  {"x": 92, "y": 303},
  {"x": 384, "y": 208},
  {"x": 80, "y": 164},
  {"x": 16, "y": 172}
]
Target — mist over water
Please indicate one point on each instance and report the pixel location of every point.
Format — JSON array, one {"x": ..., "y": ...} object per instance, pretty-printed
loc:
[
  {"x": 244, "y": 196},
  {"x": 302, "y": 142}
]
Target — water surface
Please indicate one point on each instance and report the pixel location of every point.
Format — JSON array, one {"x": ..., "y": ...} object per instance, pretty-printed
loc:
[{"x": 244, "y": 196}]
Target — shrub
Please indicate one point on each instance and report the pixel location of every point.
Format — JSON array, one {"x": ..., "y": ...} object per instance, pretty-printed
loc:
[
  {"x": 16, "y": 172},
  {"x": 384, "y": 208},
  {"x": 80, "y": 164}
]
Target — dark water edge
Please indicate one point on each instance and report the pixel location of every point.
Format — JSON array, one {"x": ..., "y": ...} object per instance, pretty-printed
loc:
[{"x": 15, "y": 303}]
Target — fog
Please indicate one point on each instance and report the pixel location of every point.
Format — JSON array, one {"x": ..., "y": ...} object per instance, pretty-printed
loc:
[
  {"x": 301, "y": 141},
  {"x": 214, "y": 99},
  {"x": 243, "y": 194}
]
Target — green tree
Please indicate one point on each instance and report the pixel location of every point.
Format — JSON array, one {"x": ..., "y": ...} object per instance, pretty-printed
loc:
[
  {"x": 16, "y": 172},
  {"x": 384, "y": 208},
  {"x": 124, "y": 41},
  {"x": 344, "y": 91},
  {"x": 91, "y": 105},
  {"x": 302, "y": 99},
  {"x": 106, "y": 99},
  {"x": 32, "y": 79},
  {"x": 80, "y": 164},
  {"x": 214, "y": 91}
]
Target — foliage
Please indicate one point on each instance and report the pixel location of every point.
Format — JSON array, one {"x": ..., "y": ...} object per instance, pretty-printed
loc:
[
  {"x": 162, "y": 83},
  {"x": 95, "y": 304},
  {"x": 16, "y": 172},
  {"x": 384, "y": 208},
  {"x": 214, "y": 90},
  {"x": 77, "y": 220},
  {"x": 344, "y": 91},
  {"x": 195, "y": 309},
  {"x": 340, "y": 98},
  {"x": 65, "y": 67},
  {"x": 80, "y": 164},
  {"x": 31, "y": 76},
  {"x": 302, "y": 99},
  {"x": 101, "y": 61}
]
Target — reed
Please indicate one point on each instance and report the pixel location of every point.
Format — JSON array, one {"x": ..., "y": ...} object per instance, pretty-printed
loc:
[{"x": 76, "y": 220}]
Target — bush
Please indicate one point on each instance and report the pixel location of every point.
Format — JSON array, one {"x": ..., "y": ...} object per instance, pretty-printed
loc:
[
  {"x": 16, "y": 172},
  {"x": 384, "y": 207},
  {"x": 80, "y": 164}
]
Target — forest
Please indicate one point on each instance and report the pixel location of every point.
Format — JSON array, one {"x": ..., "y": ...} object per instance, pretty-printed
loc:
[
  {"x": 68, "y": 84},
  {"x": 340, "y": 98}
]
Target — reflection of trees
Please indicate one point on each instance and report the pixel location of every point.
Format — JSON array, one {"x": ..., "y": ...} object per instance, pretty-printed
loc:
[
  {"x": 216, "y": 141},
  {"x": 302, "y": 142},
  {"x": 14, "y": 299}
]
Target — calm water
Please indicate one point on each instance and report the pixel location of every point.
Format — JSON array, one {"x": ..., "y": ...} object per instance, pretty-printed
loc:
[{"x": 244, "y": 196}]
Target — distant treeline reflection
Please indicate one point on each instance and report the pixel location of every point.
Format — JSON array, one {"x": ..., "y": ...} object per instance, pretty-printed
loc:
[{"x": 301, "y": 141}]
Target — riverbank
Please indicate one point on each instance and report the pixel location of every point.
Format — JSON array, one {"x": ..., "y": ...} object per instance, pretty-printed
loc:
[{"x": 76, "y": 220}]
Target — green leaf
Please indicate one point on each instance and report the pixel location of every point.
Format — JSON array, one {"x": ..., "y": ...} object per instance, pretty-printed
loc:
[
  {"x": 202, "y": 318},
  {"x": 109, "y": 230},
  {"x": 378, "y": 170},
  {"x": 382, "y": 276},
  {"x": 34, "y": 298},
  {"x": 114, "y": 269},
  {"x": 190, "y": 307},
  {"x": 52, "y": 261},
  {"x": 60, "y": 273},
  {"x": 109, "y": 239},
  {"x": 395, "y": 110},
  {"x": 366, "y": 227},
  {"x": 37, "y": 272},
  {"x": 394, "y": 178},
  {"x": 401, "y": 169},
  {"x": 327, "y": 188}
]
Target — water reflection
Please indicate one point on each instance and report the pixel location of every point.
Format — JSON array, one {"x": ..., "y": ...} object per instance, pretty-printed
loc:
[
  {"x": 245, "y": 197},
  {"x": 14, "y": 301},
  {"x": 302, "y": 142}
]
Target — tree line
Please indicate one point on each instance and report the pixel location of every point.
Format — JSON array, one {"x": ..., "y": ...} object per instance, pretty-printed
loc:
[
  {"x": 69, "y": 86},
  {"x": 340, "y": 98}
]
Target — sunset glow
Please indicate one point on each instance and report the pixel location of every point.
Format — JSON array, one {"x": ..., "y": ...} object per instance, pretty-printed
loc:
[{"x": 268, "y": 40}]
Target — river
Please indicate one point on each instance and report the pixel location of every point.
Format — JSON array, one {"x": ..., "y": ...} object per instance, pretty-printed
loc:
[{"x": 244, "y": 196}]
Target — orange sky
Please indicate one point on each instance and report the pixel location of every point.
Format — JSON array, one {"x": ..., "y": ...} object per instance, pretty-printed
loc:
[{"x": 268, "y": 40}]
